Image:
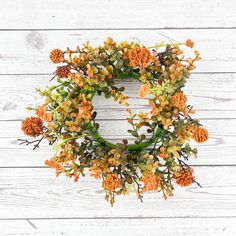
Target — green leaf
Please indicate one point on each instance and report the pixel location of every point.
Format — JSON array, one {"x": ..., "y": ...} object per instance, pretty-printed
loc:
[
  {"x": 29, "y": 108},
  {"x": 134, "y": 133}
]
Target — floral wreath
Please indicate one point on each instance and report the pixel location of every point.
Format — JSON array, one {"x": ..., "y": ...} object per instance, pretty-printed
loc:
[{"x": 67, "y": 119}]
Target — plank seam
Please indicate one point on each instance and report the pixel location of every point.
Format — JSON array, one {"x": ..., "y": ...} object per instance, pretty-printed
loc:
[
  {"x": 138, "y": 108},
  {"x": 121, "y": 218},
  {"x": 193, "y": 73},
  {"x": 46, "y": 167},
  {"x": 122, "y": 28}
]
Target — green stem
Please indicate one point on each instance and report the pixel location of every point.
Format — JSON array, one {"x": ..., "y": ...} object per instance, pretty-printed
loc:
[
  {"x": 126, "y": 75},
  {"x": 163, "y": 44},
  {"x": 131, "y": 147}
]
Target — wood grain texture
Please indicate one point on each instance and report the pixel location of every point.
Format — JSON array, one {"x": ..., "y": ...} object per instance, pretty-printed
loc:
[
  {"x": 219, "y": 150},
  {"x": 58, "y": 14},
  {"x": 37, "y": 193},
  {"x": 140, "y": 227},
  {"x": 33, "y": 201},
  {"x": 29, "y": 50},
  {"x": 212, "y": 95}
]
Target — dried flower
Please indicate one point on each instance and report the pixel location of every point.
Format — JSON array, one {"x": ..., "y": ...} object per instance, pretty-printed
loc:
[
  {"x": 139, "y": 57},
  {"x": 200, "y": 135},
  {"x": 179, "y": 100},
  {"x": 112, "y": 182},
  {"x": 57, "y": 56},
  {"x": 55, "y": 165},
  {"x": 185, "y": 177},
  {"x": 42, "y": 113},
  {"x": 151, "y": 182},
  {"x": 189, "y": 43},
  {"x": 32, "y": 126},
  {"x": 109, "y": 43},
  {"x": 71, "y": 123},
  {"x": 63, "y": 71},
  {"x": 144, "y": 90},
  {"x": 163, "y": 153},
  {"x": 95, "y": 172}
]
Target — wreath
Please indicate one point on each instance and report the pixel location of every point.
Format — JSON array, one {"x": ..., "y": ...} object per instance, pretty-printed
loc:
[{"x": 67, "y": 119}]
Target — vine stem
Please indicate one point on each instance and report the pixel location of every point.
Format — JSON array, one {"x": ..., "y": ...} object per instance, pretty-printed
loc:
[
  {"x": 131, "y": 147},
  {"x": 163, "y": 44}
]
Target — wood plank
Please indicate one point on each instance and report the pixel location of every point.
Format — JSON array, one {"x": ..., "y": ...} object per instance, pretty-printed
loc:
[
  {"x": 147, "y": 227},
  {"x": 116, "y": 14},
  {"x": 33, "y": 201},
  {"x": 212, "y": 95},
  {"x": 37, "y": 193},
  {"x": 27, "y": 52},
  {"x": 217, "y": 128},
  {"x": 218, "y": 150}
]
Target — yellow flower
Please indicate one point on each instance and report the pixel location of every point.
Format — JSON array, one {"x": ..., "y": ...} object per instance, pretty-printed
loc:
[{"x": 174, "y": 150}]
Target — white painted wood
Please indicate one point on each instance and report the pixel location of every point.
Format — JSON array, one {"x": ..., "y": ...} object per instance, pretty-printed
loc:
[
  {"x": 30, "y": 194},
  {"x": 37, "y": 193},
  {"x": 139, "y": 227},
  {"x": 212, "y": 95},
  {"x": 58, "y": 14},
  {"x": 27, "y": 52},
  {"x": 218, "y": 150}
]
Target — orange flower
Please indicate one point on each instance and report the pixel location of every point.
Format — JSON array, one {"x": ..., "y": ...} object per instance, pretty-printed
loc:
[
  {"x": 176, "y": 71},
  {"x": 139, "y": 57},
  {"x": 41, "y": 112},
  {"x": 77, "y": 79},
  {"x": 112, "y": 182},
  {"x": 189, "y": 43},
  {"x": 89, "y": 71},
  {"x": 179, "y": 100},
  {"x": 163, "y": 153},
  {"x": 63, "y": 71},
  {"x": 85, "y": 109},
  {"x": 57, "y": 56},
  {"x": 151, "y": 182},
  {"x": 55, "y": 165},
  {"x": 125, "y": 54},
  {"x": 109, "y": 43},
  {"x": 166, "y": 122},
  {"x": 95, "y": 172},
  {"x": 32, "y": 126},
  {"x": 74, "y": 127},
  {"x": 144, "y": 90},
  {"x": 185, "y": 177},
  {"x": 200, "y": 135},
  {"x": 74, "y": 175},
  {"x": 112, "y": 161}
]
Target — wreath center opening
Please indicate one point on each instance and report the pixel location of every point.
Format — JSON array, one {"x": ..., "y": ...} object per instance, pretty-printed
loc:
[{"x": 136, "y": 110}]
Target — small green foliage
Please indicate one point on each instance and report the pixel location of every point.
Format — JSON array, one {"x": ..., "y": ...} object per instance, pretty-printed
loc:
[{"x": 161, "y": 136}]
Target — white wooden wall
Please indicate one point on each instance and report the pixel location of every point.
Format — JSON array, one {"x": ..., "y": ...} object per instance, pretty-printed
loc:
[{"x": 33, "y": 201}]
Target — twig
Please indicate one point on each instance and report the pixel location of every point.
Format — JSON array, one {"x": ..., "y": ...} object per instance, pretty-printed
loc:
[
  {"x": 138, "y": 189},
  {"x": 52, "y": 78},
  {"x": 27, "y": 142},
  {"x": 198, "y": 183}
]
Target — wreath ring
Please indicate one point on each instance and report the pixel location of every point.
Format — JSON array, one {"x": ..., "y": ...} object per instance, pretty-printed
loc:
[
  {"x": 130, "y": 147},
  {"x": 68, "y": 121}
]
